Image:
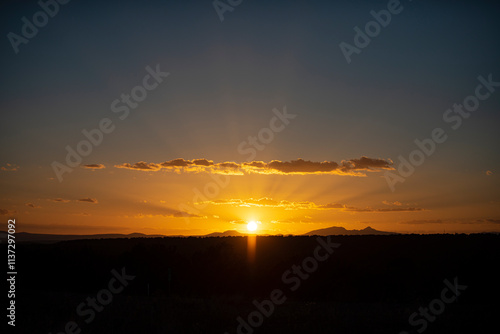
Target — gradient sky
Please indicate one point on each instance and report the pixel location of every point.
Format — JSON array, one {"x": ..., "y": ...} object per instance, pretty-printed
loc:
[{"x": 225, "y": 79}]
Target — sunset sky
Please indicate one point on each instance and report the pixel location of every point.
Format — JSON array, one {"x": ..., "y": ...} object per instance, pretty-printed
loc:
[{"x": 258, "y": 117}]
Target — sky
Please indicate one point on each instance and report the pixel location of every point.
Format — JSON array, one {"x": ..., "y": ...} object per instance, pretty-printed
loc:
[{"x": 191, "y": 117}]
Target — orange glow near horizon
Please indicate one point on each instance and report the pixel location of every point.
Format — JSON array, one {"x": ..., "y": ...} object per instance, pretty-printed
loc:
[{"x": 114, "y": 200}]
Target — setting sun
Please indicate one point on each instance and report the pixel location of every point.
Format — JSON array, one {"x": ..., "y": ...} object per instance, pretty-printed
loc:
[{"x": 252, "y": 226}]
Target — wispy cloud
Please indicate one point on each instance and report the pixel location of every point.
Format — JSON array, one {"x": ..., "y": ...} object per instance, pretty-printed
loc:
[
  {"x": 452, "y": 221},
  {"x": 9, "y": 167},
  {"x": 31, "y": 205},
  {"x": 146, "y": 209},
  {"x": 484, "y": 221},
  {"x": 177, "y": 214},
  {"x": 306, "y": 205},
  {"x": 63, "y": 200},
  {"x": 397, "y": 203},
  {"x": 59, "y": 200},
  {"x": 5, "y": 212},
  {"x": 88, "y": 199},
  {"x": 353, "y": 167}
]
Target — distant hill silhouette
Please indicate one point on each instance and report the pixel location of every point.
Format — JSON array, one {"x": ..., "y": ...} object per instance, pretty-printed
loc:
[
  {"x": 338, "y": 230},
  {"x": 333, "y": 230},
  {"x": 228, "y": 233},
  {"x": 50, "y": 238}
]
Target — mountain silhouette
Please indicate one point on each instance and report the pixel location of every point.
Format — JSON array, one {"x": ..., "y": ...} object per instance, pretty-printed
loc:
[
  {"x": 228, "y": 233},
  {"x": 338, "y": 230}
]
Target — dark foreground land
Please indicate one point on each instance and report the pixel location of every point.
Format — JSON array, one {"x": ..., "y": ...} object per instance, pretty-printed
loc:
[{"x": 369, "y": 284}]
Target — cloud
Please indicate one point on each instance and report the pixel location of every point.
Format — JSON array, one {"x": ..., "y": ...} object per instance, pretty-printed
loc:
[
  {"x": 59, "y": 200},
  {"x": 346, "y": 167},
  {"x": 451, "y": 221},
  {"x": 397, "y": 203},
  {"x": 238, "y": 222},
  {"x": 262, "y": 202},
  {"x": 4, "y": 212},
  {"x": 202, "y": 162},
  {"x": 420, "y": 222},
  {"x": 146, "y": 209},
  {"x": 184, "y": 163},
  {"x": 483, "y": 221},
  {"x": 31, "y": 205},
  {"x": 177, "y": 214},
  {"x": 353, "y": 167},
  {"x": 301, "y": 166},
  {"x": 9, "y": 168},
  {"x": 94, "y": 166},
  {"x": 176, "y": 164},
  {"x": 306, "y": 205},
  {"x": 88, "y": 199},
  {"x": 365, "y": 163},
  {"x": 409, "y": 209},
  {"x": 141, "y": 165},
  {"x": 181, "y": 214},
  {"x": 62, "y": 200}
]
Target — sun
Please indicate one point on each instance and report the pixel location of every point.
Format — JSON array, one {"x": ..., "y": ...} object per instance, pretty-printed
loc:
[{"x": 252, "y": 226}]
